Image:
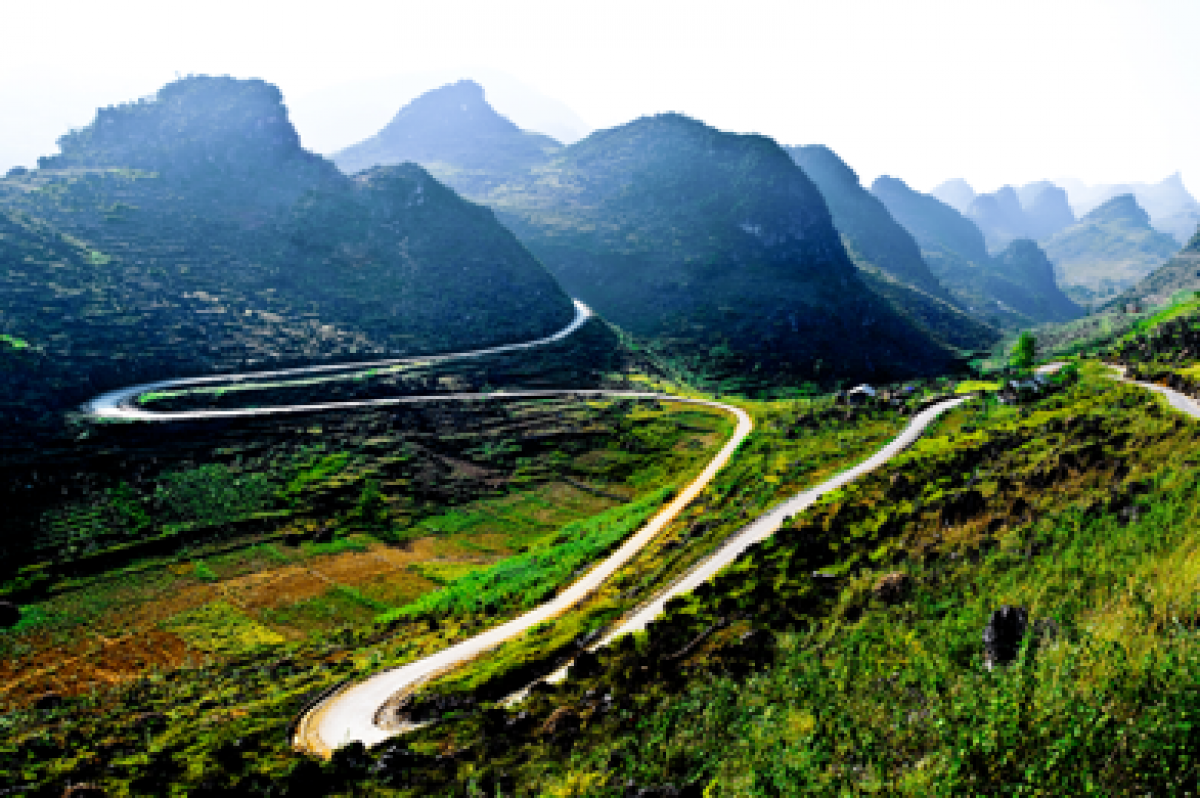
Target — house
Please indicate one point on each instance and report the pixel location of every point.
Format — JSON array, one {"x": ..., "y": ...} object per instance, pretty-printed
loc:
[{"x": 860, "y": 395}]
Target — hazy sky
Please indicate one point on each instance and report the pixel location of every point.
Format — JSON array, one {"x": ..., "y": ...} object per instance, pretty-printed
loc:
[{"x": 996, "y": 91}]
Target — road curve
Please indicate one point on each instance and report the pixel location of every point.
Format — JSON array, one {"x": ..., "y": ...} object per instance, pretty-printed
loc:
[
  {"x": 349, "y": 714},
  {"x": 1181, "y": 402},
  {"x": 119, "y": 404},
  {"x": 767, "y": 524}
]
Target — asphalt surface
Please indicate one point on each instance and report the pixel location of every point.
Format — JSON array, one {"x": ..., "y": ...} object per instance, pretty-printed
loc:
[
  {"x": 1177, "y": 400},
  {"x": 120, "y": 404}
]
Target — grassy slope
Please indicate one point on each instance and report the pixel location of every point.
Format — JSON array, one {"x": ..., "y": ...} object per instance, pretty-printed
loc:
[
  {"x": 1078, "y": 508},
  {"x": 184, "y": 726}
]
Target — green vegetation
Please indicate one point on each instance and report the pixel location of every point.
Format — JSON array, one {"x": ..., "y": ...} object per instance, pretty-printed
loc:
[
  {"x": 1077, "y": 508},
  {"x": 1024, "y": 352},
  {"x": 219, "y": 628},
  {"x": 1180, "y": 274},
  {"x": 887, "y": 254},
  {"x": 532, "y": 577},
  {"x": 12, "y": 342},
  {"x": 330, "y": 634}
]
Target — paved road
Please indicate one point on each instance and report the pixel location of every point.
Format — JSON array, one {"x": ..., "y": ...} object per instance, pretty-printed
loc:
[
  {"x": 349, "y": 715},
  {"x": 120, "y": 403},
  {"x": 1181, "y": 402},
  {"x": 766, "y": 525}
]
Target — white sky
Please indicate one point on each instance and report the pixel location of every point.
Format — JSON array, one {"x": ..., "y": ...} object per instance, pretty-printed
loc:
[{"x": 996, "y": 91}]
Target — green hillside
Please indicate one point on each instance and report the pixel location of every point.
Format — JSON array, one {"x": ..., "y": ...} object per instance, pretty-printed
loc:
[
  {"x": 1180, "y": 273},
  {"x": 876, "y": 243},
  {"x": 191, "y": 234},
  {"x": 716, "y": 247},
  {"x": 1108, "y": 250}
]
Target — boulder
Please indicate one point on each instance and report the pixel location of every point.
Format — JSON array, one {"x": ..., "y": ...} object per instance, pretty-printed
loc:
[
  {"x": 1003, "y": 634},
  {"x": 84, "y": 791},
  {"x": 562, "y": 719},
  {"x": 892, "y": 588},
  {"x": 49, "y": 700}
]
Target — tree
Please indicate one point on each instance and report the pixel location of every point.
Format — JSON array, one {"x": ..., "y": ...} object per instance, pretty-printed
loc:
[
  {"x": 1024, "y": 352},
  {"x": 372, "y": 510}
]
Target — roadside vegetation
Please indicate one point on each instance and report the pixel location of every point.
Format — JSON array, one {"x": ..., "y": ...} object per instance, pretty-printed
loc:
[{"x": 226, "y": 638}]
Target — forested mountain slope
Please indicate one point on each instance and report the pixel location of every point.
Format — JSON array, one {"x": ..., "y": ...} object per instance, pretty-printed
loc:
[
  {"x": 886, "y": 253},
  {"x": 1109, "y": 249},
  {"x": 1180, "y": 273},
  {"x": 190, "y": 233},
  {"x": 715, "y": 245}
]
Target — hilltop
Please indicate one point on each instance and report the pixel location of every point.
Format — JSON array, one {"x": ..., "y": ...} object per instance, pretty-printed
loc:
[
  {"x": 886, "y": 253},
  {"x": 1036, "y": 210},
  {"x": 957, "y": 253},
  {"x": 455, "y": 134},
  {"x": 1109, "y": 249},
  {"x": 999, "y": 217},
  {"x": 199, "y": 237}
]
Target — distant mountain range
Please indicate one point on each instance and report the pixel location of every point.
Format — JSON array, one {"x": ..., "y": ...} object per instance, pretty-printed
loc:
[
  {"x": 1014, "y": 288},
  {"x": 191, "y": 233},
  {"x": 1036, "y": 211},
  {"x": 1109, "y": 249},
  {"x": 886, "y": 254},
  {"x": 714, "y": 246},
  {"x": 1172, "y": 209}
]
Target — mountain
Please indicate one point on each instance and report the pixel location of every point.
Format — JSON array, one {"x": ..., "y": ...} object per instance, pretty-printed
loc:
[
  {"x": 956, "y": 252},
  {"x": 877, "y": 243},
  {"x": 1181, "y": 225},
  {"x": 1171, "y": 206},
  {"x": 957, "y": 193},
  {"x": 1036, "y": 211},
  {"x": 1180, "y": 273},
  {"x": 455, "y": 134},
  {"x": 999, "y": 217},
  {"x": 934, "y": 225},
  {"x": 334, "y": 117},
  {"x": 715, "y": 246},
  {"x": 1109, "y": 249},
  {"x": 1047, "y": 210},
  {"x": 1023, "y": 264},
  {"x": 190, "y": 233}
]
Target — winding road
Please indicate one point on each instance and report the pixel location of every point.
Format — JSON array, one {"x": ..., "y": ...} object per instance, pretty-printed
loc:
[
  {"x": 351, "y": 713},
  {"x": 120, "y": 404},
  {"x": 1177, "y": 400}
]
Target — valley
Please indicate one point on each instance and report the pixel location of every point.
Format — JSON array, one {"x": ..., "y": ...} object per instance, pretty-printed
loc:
[{"x": 666, "y": 461}]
